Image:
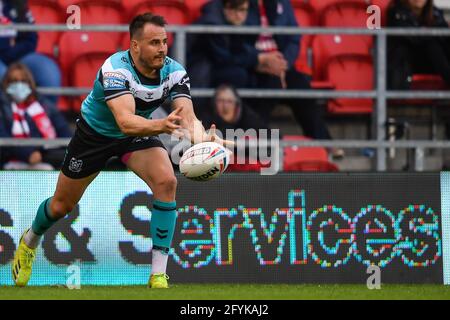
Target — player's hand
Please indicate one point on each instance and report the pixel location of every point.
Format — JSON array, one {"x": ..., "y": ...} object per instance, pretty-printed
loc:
[
  {"x": 211, "y": 136},
  {"x": 171, "y": 124}
]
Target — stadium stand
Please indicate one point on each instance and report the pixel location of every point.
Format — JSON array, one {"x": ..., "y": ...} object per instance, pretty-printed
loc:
[
  {"x": 343, "y": 62},
  {"x": 47, "y": 12},
  {"x": 79, "y": 57},
  {"x": 306, "y": 17},
  {"x": 320, "y": 6},
  {"x": 175, "y": 12},
  {"x": 306, "y": 158},
  {"x": 194, "y": 8}
]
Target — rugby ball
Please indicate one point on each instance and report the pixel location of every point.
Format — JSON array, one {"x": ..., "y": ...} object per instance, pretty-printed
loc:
[{"x": 204, "y": 161}]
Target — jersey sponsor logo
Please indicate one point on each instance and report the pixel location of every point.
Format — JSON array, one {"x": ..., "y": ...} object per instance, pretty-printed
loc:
[
  {"x": 114, "y": 80},
  {"x": 115, "y": 75},
  {"x": 75, "y": 165}
]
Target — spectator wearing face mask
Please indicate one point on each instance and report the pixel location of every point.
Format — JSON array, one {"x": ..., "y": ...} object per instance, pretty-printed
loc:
[
  {"x": 21, "y": 46},
  {"x": 24, "y": 115}
]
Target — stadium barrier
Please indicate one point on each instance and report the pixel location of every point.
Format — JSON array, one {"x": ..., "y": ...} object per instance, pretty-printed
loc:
[
  {"x": 381, "y": 94},
  {"x": 289, "y": 228}
]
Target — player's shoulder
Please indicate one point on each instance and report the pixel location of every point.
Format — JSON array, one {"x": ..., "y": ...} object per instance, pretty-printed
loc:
[
  {"x": 119, "y": 62},
  {"x": 171, "y": 65},
  {"x": 173, "y": 70}
]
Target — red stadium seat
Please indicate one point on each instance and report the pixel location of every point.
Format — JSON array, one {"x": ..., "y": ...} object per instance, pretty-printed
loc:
[
  {"x": 66, "y": 3},
  {"x": 327, "y": 46},
  {"x": 306, "y": 158},
  {"x": 125, "y": 42},
  {"x": 102, "y": 12},
  {"x": 345, "y": 14},
  {"x": 73, "y": 45},
  {"x": 423, "y": 82},
  {"x": 384, "y": 5},
  {"x": 174, "y": 12},
  {"x": 306, "y": 17},
  {"x": 194, "y": 7},
  {"x": 350, "y": 72},
  {"x": 47, "y": 12},
  {"x": 85, "y": 70},
  {"x": 321, "y": 5}
]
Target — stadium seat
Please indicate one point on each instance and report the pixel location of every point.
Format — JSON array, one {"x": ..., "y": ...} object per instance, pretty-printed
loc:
[
  {"x": 345, "y": 14},
  {"x": 306, "y": 158},
  {"x": 306, "y": 17},
  {"x": 102, "y": 12},
  {"x": 384, "y": 5},
  {"x": 321, "y": 5},
  {"x": 423, "y": 82},
  {"x": 73, "y": 45},
  {"x": 174, "y": 11},
  {"x": 85, "y": 70},
  {"x": 65, "y": 3},
  {"x": 350, "y": 72},
  {"x": 194, "y": 8},
  {"x": 125, "y": 42},
  {"x": 47, "y": 12},
  {"x": 327, "y": 46}
]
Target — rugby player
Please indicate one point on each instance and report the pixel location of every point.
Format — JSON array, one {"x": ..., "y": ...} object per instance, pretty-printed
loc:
[{"x": 116, "y": 120}]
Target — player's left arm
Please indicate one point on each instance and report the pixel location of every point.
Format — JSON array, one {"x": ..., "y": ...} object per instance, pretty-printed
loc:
[{"x": 190, "y": 122}]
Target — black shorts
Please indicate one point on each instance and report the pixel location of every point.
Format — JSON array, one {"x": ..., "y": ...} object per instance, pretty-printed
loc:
[{"x": 88, "y": 151}]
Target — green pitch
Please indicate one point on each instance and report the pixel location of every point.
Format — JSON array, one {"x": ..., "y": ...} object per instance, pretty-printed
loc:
[{"x": 231, "y": 291}]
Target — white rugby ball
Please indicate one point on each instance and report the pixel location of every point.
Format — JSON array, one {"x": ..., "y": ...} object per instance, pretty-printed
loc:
[{"x": 204, "y": 161}]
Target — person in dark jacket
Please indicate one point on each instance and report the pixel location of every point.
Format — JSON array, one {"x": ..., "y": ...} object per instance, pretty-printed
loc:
[
  {"x": 261, "y": 61},
  {"x": 408, "y": 55},
  {"x": 24, "y": 115},
  {"x": 21, "y": 46}
]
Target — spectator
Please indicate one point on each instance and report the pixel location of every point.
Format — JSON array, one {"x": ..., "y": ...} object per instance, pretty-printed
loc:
[
  {"x": 412, "y": 54},
  {"x": 23, "y": 115},
  {"x": 263, "y": 61},
  {"x": 21, "y": 46},
  {"x": 231, "y": 113}
]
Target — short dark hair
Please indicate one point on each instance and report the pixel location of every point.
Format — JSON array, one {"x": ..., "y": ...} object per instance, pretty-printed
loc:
[
  {"x": 233, "y": 4},
  {"x": 139, "y": 21}
]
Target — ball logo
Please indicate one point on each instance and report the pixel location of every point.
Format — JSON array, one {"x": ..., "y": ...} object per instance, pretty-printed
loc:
[{"x": 207, "y": 175}]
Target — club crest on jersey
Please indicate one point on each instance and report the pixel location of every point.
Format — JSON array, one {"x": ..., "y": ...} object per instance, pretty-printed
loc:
[
  {"x": 184, "y": 80},
  {"x": 75, "y": 165}
]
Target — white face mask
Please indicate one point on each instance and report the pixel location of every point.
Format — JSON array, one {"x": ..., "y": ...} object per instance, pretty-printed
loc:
[{"x": 19, "y": 91}]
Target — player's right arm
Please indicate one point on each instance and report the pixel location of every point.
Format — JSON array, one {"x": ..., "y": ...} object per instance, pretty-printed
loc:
[{"x": 123, "y": 109}]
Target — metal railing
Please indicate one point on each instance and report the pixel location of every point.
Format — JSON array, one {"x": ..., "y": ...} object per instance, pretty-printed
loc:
[{"x": 381, "y": 94}]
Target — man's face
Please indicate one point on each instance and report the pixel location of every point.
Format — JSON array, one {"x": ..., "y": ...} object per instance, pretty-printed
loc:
[
  {"x": 151, "y": 46},
  {"x": 236, "y": 16}
]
